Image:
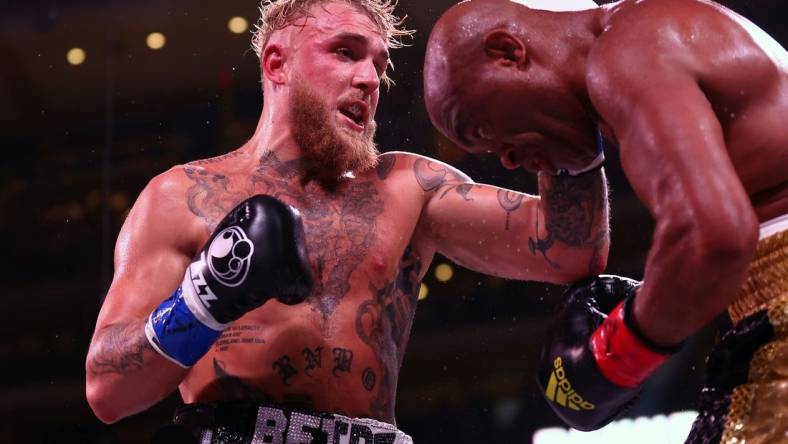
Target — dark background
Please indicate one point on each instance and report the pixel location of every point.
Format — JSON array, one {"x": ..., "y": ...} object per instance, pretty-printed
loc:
[{"x": 80, "y": 142}]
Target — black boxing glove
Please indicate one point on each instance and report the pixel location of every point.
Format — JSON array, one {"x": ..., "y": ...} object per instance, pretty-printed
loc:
[
  {"x": 257, "y": 252},
  {"x": 594, "y": 361}
]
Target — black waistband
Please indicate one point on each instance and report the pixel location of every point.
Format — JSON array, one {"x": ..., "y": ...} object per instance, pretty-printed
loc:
[
  {"x": 729, "y": 361},
  {"x": 241, "y": 422}
]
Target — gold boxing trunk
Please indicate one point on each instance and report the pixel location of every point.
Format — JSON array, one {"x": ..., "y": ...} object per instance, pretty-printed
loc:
[{"x": 745, "y": 399}]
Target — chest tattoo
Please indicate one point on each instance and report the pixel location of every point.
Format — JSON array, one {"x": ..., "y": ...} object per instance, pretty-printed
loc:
[
  {"x": 383, "y": 322},
  {"x": 339, "y": 226}
]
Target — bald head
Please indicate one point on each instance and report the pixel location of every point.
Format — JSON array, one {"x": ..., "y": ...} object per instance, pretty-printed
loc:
[
  {"x": 456, "y": 49},
  {"x": 474, "y": 38}
]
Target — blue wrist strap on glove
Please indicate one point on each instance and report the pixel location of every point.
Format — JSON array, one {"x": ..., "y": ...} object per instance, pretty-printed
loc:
[
  {"x": 595, "y": 164},
  {"x": 176, "y": 333}
]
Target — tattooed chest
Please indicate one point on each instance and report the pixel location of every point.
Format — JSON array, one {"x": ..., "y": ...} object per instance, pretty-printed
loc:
[
  {"x": 339, "y": 227},
  {"x": 339, "y": 236}
]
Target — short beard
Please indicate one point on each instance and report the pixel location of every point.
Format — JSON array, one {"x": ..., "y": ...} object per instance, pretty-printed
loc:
[{"x": 328, "y": 151}]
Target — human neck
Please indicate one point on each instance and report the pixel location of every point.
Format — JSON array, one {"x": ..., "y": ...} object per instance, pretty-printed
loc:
[
  {"x": 273, "y": 147},
  {"x": 566, "y": 45},
  {"x": 273, "y": 135}
]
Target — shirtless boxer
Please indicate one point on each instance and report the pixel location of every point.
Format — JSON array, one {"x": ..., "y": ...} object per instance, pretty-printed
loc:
[
  {"x": 696, "y": 98},
  {"x": 359, "y": 229}
]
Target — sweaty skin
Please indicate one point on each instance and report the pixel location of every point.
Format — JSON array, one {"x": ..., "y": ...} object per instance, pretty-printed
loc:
[
  {"x": 371, "y": 236},
  {"x": 694, "y": 96}
]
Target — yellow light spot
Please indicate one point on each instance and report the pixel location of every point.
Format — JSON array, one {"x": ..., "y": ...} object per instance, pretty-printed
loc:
[
  {"x": 237, "y": 25},
  {"x": 444, "y": 272},
  {"x": 76, "y": 56},
  {"x": 156, "y": 40},
  {"x": 423, "y": 291}
]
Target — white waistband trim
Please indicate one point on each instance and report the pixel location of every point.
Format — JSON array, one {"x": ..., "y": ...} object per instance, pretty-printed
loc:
[{"x": 774, "y": 226}]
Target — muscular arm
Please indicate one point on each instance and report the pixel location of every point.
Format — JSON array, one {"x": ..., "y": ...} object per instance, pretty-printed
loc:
[
  {"x": 674, "y": 155},
  {"x": 575, "y": 210},
  {"x": 124, "y": 375},
  {"x": 559, "y": 236}
]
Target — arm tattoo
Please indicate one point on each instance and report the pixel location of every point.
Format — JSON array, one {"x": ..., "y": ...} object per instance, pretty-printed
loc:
[
  {"x": 122, "y": 349},
  {"x": 509, "y": 201},
  {"x": 571, "y": 205},
  {"x": 435, "y": 177}
]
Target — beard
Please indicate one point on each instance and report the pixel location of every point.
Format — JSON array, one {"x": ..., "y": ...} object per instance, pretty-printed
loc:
[{"x": 329, "y": 151}]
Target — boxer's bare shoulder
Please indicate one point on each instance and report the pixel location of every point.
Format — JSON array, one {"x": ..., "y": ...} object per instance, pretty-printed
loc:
[
  {"x": 161, "y": 214},
  {"x": 642, "y": 42},
  {"x": 431, "y": 175},
  {"x": 725, "y": 69}
]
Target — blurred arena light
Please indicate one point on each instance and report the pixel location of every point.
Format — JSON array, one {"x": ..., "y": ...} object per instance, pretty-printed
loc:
[
  {"x": 423, "y": 291},
  {"x": 659, "y": 429},
  {"x": 156, "y": 40},
  {"x": 76, "y": 56},
  {"x": 444, "y": 272},
  {"x": 237, "y": 25}
]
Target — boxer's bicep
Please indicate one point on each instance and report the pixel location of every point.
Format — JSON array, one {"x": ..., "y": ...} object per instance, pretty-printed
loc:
[
  {"x": 671, "y": 142},
  {"x": 124, "y": 374},
  {"x": 673, "y": 152},
  {"x": 674, "y": 155},
  {"x": 151, "y": 255}
]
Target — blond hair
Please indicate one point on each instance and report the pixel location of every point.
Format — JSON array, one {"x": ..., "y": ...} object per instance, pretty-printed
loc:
[{"x": 278, "y": 14}]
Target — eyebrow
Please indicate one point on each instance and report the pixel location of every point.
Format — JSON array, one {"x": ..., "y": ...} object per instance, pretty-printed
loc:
[{"x": 360, "y": 39}]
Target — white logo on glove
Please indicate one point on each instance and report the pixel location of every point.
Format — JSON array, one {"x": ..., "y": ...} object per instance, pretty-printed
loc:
[{"x": 230, "y": 256}]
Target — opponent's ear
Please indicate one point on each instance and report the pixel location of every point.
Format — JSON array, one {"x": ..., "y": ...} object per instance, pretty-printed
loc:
[
  {"x": 505, "y": 47},
  {"x": 273, "y": 62}
]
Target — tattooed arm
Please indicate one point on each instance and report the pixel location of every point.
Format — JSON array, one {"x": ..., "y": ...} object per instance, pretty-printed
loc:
[
  {"x": 575, "y": 211},
  {"x": 559, "y": 236},
  {"x": 124, "y": 375}
]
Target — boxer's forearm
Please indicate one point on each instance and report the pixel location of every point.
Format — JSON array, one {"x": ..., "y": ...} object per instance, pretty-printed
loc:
[
  {"x": 575, "y": 211},
  {"x": 125, "y": 375},
  {"x": 690, "y": 278}
]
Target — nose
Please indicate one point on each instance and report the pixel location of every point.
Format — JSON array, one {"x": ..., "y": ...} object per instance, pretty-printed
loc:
[{"x": 366, "y": 77}]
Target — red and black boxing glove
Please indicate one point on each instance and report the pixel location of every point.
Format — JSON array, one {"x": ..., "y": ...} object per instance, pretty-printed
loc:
[{"x": 594, "y": 361}]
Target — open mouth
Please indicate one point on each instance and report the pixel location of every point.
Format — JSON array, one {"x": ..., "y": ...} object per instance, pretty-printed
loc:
[{"x": 354, "y": 113}]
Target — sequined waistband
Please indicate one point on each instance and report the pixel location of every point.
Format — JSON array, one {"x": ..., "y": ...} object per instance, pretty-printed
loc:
[{"x": 767, "y": 277}]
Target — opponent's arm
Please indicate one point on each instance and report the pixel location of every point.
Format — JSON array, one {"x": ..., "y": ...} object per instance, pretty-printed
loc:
[
  {"x": 124, "y": 374},
  {"x": 559, "y": 236},
  {"x": 673, "y": 153},
  {"x": 596, "y": 357}
]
